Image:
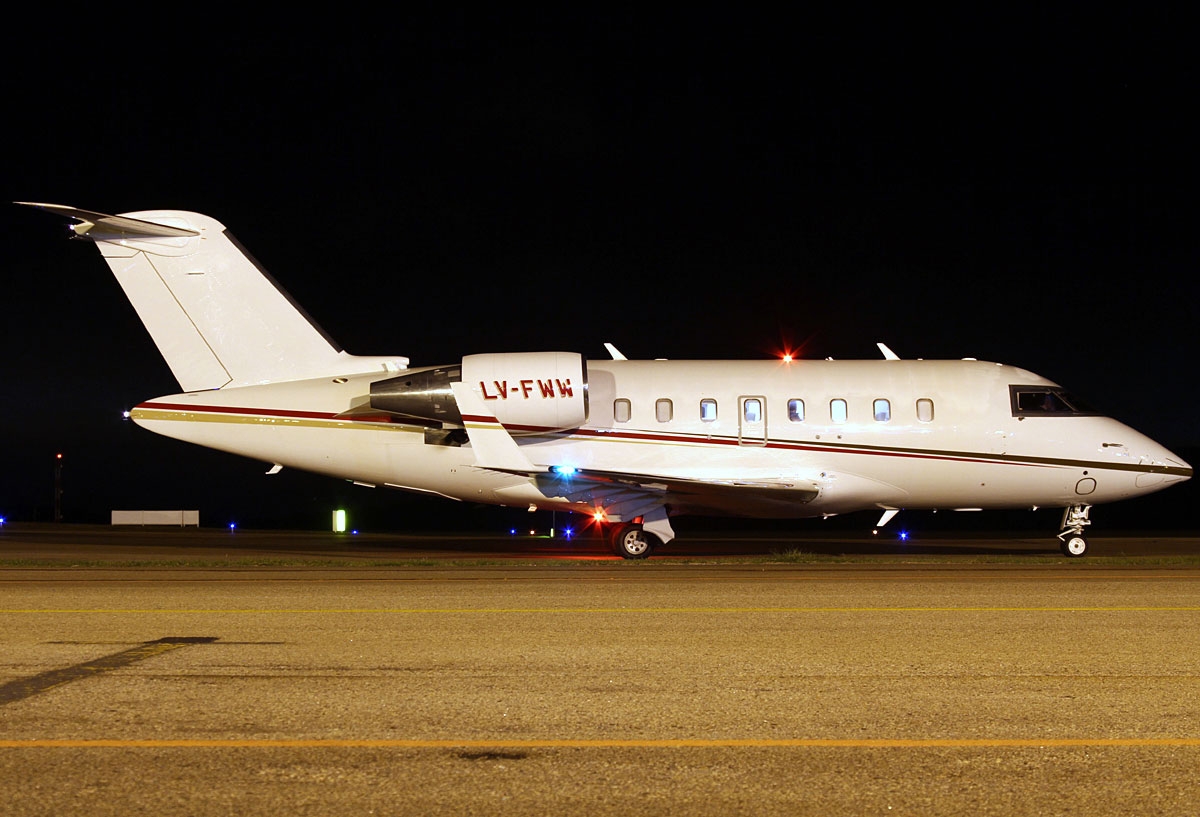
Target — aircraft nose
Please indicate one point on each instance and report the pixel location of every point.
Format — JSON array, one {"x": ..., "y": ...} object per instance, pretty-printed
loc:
[
  {"x": 1162, "y": 468},
  {"x": 1185, "y": 470}
]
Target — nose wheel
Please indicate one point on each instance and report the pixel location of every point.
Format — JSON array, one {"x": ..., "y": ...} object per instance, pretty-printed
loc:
[
  {"x": 1074, "y": 546},
  {"x": 1074, "y": 520}
]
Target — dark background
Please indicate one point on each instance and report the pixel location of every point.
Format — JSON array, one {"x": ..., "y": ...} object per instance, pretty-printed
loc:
[{"x": 1018, "y": 187}]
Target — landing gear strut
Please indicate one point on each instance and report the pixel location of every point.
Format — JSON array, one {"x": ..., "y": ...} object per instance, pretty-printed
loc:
[
  {"x": 632, "y": 542},
  {"x": 1074, "y": 520}
]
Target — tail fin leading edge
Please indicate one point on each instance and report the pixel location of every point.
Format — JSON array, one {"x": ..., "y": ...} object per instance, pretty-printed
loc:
[{"x": 216, "y": 316}]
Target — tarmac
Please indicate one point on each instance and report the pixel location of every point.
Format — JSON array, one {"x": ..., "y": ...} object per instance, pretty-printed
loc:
[
  {"x": 48, "y": 543},
  {"x": 203, "y": 672}
]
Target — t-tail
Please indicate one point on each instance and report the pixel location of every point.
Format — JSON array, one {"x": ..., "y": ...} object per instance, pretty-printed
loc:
[{"x": 217, "y": 317}]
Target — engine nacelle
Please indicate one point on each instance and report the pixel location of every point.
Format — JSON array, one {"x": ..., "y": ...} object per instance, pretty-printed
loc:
[{"x": 529, "y": 392}]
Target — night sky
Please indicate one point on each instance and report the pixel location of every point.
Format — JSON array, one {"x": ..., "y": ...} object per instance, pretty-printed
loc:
[{"x": 686, "y": 185}]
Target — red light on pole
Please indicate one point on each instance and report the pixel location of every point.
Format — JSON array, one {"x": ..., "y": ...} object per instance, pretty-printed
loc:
[{"x": 58, "y": 465}]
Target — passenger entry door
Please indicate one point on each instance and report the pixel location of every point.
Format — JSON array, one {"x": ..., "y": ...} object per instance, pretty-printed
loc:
[{"x": 752, "y": 420}]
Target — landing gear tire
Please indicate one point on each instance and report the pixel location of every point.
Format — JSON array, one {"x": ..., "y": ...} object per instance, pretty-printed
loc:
[
  {"x": 1074, "y": 546},
  {"x": 631, "y": 542}
]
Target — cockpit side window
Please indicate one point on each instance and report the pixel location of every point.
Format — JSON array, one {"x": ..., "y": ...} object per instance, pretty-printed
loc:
[{"x": 1046, "y": 401}]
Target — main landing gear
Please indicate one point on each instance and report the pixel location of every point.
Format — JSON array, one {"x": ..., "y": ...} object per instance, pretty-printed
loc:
[
  {"x": 636, "y": 539},
  {"x": 1074, "y": 520},
  {"x": 631, "y": 541}
]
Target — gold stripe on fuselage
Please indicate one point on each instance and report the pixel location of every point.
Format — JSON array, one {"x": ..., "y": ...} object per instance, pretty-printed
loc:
[{"x": 262, "y": 420}]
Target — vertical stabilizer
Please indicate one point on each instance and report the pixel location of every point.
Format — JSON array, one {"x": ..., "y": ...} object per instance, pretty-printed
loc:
[{"x": 216, "y": 316}]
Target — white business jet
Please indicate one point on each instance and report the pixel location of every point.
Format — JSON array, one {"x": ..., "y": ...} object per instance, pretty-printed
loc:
[{"x": 631, "y": 443}]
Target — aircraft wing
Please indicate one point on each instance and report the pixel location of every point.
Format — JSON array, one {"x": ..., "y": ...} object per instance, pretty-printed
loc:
[
  {"x": 635, "y": 494},
  {"x": 626, "y": 495}
]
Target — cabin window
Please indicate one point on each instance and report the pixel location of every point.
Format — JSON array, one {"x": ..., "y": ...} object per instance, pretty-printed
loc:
[
  {"x": 708, "y": 410},
  {"x": 883, "y": 411},
  {"x": 621, "y": 410},
  {"x": 663, "y": 411},
  {"x": 796, "y": 410},
  {"x": 925, "y": 410},
  {"x": 752, "y": 410},
  {"x": 837, "y": 410}
]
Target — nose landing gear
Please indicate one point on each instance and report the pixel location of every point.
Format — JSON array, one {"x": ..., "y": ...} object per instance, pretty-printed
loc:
[{"x": 1074, "y": 520}]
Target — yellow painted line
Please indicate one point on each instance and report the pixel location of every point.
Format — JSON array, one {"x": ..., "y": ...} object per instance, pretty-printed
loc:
[
  {"x": 682, "y": 743},
  {"x": 605, "y": 610}
]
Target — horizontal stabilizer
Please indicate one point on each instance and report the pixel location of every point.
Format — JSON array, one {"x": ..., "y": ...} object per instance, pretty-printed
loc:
[{"x": 103, "y": 227}]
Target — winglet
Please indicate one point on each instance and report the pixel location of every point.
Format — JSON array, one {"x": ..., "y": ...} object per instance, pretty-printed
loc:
[{"x": 494, "y": 447}]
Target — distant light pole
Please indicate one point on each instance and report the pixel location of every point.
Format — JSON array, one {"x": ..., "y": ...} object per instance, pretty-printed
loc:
[{"x": 58, "y": 465}]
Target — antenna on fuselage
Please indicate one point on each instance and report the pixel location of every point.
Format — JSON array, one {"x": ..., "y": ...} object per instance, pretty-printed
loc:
[
  {"x": 615, "y": 352},
  {"x": 888, "y": 354}
]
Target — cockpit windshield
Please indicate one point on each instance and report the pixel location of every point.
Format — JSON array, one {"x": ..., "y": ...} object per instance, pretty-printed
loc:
[{"x": 1047, "y": 401}]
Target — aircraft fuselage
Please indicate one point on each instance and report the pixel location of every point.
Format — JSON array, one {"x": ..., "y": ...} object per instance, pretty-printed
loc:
[{"x": 862, "y": 434}]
